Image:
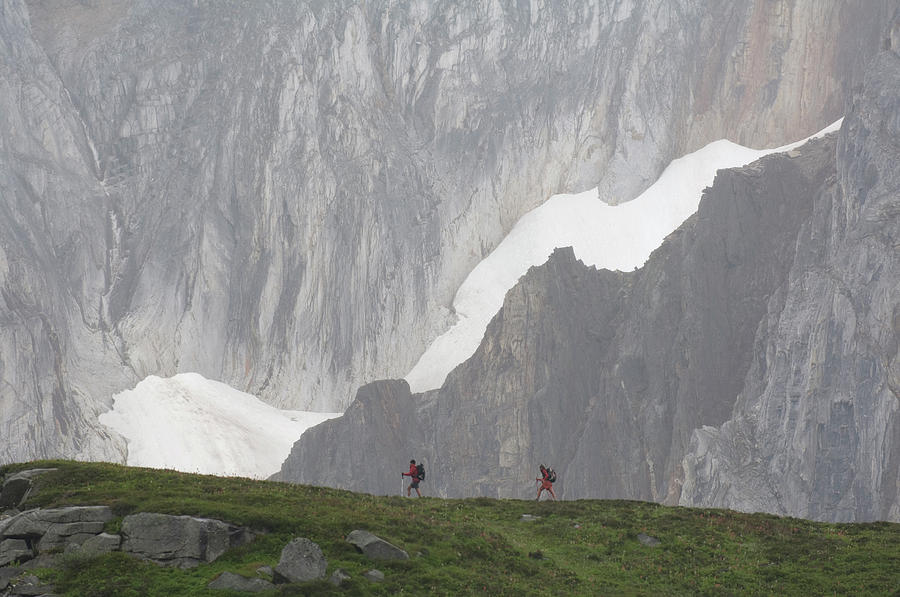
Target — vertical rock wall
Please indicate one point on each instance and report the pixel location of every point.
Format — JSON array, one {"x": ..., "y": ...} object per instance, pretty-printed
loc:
[
  {"x": 284, "y": 196},
  {"x": 816, "y": 429}
]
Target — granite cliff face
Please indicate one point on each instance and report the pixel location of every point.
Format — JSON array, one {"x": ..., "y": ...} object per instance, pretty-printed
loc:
[
  {"x": 752, "y": 363},
  {"x": 815, "y": 431},
  {"x": 284, "y": 196}
]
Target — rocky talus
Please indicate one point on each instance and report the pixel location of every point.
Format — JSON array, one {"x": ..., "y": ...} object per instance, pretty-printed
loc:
[
  {"x": 284, "y": 196},
  {"x": 752, "y": 363}
]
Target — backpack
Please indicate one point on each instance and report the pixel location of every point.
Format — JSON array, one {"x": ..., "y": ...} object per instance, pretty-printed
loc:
[
  {"x": 551, "y": 475},
  {"x": 420, "y": 471}
]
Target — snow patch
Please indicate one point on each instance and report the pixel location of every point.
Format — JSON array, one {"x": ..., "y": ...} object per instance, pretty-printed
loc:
[{"x": 192, "y": 424}]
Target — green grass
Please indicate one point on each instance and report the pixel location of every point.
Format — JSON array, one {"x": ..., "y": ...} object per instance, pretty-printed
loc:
[{"x": 474, "y": 546}]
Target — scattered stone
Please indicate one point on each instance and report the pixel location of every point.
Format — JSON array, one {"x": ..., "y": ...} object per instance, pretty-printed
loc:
[
  {"x": 182, "y": 541},
  {"x": 100, "y": 544},
  {"x": 648, "y": 540},
  {"x": 12, "y": 550},
  {"x": 301, "y": 560},
  {"x": 375, "y": 547},
  {"x": 374, "y": 575},
  {"x": 265, "y": 571},
  {"x": 229, "y": 581},
  {"x": 338, "y": 577},
  {"x": 577, "y": 526},
  {"x": 528, "y": 518}
]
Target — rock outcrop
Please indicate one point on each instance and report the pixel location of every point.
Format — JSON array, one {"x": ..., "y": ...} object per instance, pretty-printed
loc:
[
  {"x": 182, "y": 541},
  {"x": 285, "y": 196},
  {"x": 35, "y": 538},
  {"x": 752, "y": 362},
  {"x": 28, "y": 534}
]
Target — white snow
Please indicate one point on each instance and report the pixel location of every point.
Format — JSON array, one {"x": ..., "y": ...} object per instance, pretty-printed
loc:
[
  {"x": 192, "y": 424},
  {"x": 612, "y": 237}
]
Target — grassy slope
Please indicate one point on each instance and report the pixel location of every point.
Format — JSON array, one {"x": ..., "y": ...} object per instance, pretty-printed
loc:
[{"x": 476, "y": 546}]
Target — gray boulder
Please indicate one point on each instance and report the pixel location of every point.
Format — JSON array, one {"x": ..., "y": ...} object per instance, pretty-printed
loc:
[
  {"x": 229, "y": 581},
  {"x": 182, "y": 541},
  {"x": 17, "y": 487},
  {"x": 301, "y": 560},
  {"x": 14, "y": 549},
  {"x": 375, "y": 547},
  {"x": 100, "y": 544}
]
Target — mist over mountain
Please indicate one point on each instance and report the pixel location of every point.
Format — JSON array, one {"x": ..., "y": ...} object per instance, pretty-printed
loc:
[{"x": 284, "y": 196}]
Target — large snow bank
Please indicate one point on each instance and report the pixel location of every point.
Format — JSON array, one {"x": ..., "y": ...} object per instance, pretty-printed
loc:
[{"x": 192, "y": 424}]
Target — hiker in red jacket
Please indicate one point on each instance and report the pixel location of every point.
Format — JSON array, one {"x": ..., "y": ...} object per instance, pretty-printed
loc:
[
  {"x": 414, "y": 475},
  {"x": 545, "y": 483}
]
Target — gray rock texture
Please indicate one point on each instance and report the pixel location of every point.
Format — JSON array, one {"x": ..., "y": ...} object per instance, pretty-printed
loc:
[
  {"x": 284, "y": 196},
  {"x": 752, "y": 363},
  {"x": 34, "y": 524},
  {"x": 12, "y": 550},
  {"x": 301, "y": 560},
  {"x": 100, "y": 544},
  {"x": 68, "y": 534},
  {"x": 182, "y": 541},
  {"x": 374, "y": 547},
  {"x": 815, "y": 431}
]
